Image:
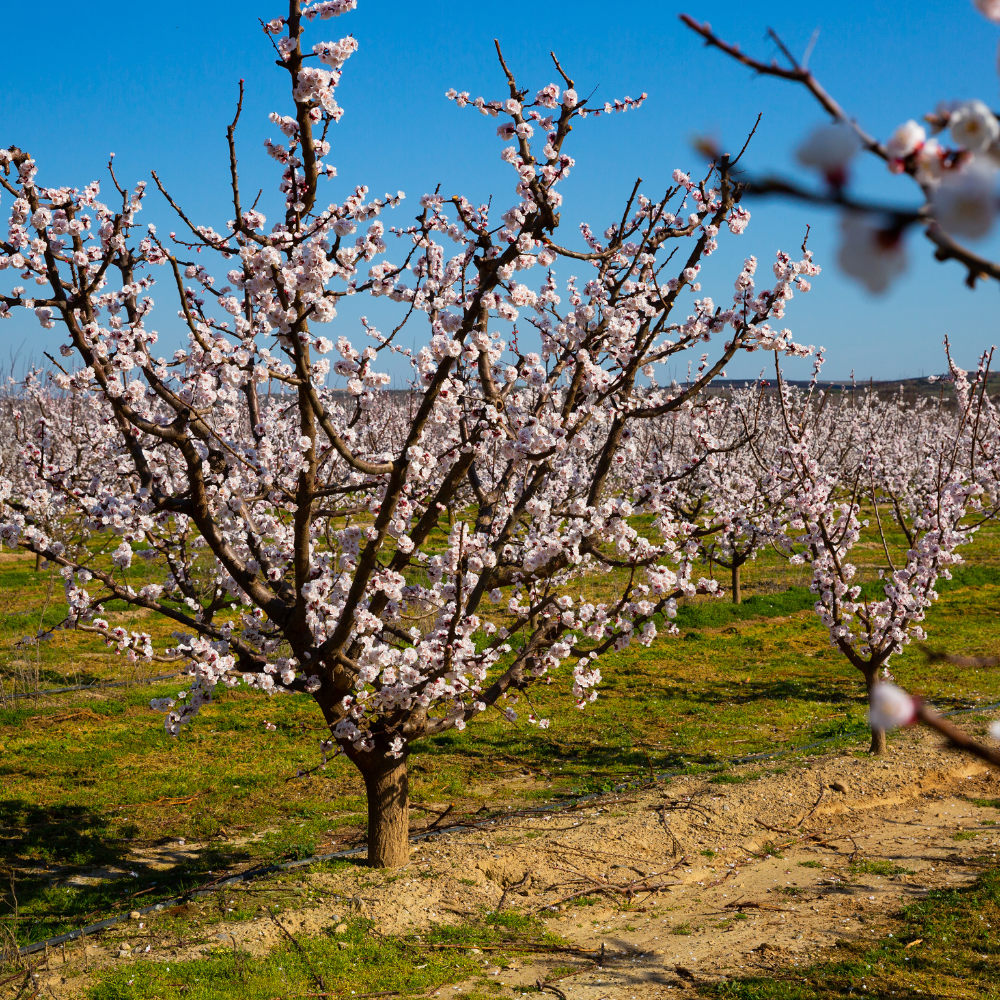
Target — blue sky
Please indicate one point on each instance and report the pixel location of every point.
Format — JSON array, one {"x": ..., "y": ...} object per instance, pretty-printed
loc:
[{"x": 157, "y": 84}]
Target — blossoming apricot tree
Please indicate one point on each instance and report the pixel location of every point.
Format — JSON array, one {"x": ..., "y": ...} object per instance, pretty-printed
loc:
[
  {"x": 294, "y": 521},
  {"x": 933, "y": 473}
]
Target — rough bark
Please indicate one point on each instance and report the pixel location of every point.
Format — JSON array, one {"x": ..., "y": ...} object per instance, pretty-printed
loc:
[
  {"x": 737, "y": 593},
  {"x": 387, "y": 787}
]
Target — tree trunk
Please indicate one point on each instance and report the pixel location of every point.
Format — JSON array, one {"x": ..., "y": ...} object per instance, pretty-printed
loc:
[
  {"x": 387, "y": 786},
  {"x": 737, "y": 593},
  {"x": 878, "y": 735}
]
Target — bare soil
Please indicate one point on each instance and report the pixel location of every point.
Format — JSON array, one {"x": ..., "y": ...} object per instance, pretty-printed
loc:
[{"x": 680, "y": 883}]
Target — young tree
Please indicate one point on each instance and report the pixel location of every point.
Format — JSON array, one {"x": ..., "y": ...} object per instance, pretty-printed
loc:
[
  {"x": 745, "y": 496},
  {"x": 723, "y": 460},
  {"x": 914, "y": 468},
  {"x": 295, "y": 521}
]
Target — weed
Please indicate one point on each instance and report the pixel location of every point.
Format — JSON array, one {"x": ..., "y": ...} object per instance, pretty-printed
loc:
[
  {"x": 871, "y": 866},
  {"x": 683, "y": 929},
  {"x": 965, "y": 835},
  {"x": 811, "y": 864}
]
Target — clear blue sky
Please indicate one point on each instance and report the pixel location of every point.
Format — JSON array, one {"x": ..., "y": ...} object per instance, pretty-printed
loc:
[{"x": 156, "y": 84}]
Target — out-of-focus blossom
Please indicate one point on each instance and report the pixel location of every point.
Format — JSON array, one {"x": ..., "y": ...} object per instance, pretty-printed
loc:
[
  {"x": 829, "y": 149},
  {"x": 973, "y": 126},
  {"x": 906, "y": 140},
  {"x": 891, "y": 707},
  {"x": 990, "y": 9},
  {"x": 965, "y": 202},
  {"x": 930, "y": 162},
  {"x": 873, "y": 254}
]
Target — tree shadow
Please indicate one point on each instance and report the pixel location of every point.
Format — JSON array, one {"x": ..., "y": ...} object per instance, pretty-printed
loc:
[
  {"x": 812, "y": 689},
  {"x": 65, "y": 866}
]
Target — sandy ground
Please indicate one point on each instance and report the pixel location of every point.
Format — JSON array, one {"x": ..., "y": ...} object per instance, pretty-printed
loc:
[{"x": 668, "y": 914}]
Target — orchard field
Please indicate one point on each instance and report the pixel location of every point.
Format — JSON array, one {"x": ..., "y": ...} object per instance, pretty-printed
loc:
[{"x": 103, "y": 811}]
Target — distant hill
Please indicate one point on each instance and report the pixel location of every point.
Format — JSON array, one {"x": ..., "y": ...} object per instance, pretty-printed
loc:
[{"x": 934, "y": 385}]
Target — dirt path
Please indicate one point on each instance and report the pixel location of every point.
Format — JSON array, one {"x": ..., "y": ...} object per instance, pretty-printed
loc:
[{"x": 705, "y": 898}]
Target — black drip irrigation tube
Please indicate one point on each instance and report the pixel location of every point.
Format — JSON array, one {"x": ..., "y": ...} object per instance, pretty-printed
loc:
[
  {"x": 254, "y": 873},
  {"x": 91, "y": 687}
]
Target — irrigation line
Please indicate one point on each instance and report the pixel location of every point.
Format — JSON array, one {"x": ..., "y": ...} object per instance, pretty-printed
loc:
[
  {"x": 96, "y": 684},
  {"x": 255, "y": 873}
]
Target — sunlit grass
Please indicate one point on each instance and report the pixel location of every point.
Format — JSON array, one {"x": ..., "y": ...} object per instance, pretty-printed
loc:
[{"x": 358, "y": 960}]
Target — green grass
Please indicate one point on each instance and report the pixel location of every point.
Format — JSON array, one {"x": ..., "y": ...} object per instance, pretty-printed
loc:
[
  {"x": 954, "y": 951},
  {"x": 734, "y": 779},
  {"x": 359, "y": 960}
]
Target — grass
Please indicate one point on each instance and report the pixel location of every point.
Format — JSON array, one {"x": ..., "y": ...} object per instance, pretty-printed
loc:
[
  {"x": 733, "y": 779},
  {"x": 946, "y": 945},
  {"x": 359, "y": 960},
  {"x": 877, "y": 867}
]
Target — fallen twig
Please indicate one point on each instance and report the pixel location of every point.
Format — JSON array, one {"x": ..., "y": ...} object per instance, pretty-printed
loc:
[
  {"x": 754, "y": 906},
  {"x": 23, "y": 973},
  {"x": 729, "y": 874},
  {"x": 675, "y": 844},
  {"x": 629, "y": 891},
  {"x": 451, "y": 805},
  {"x": 572, "y": 972},
  {"x": 510, "y": 888},
  {"x": 544, "y": 987},
  {"x": 527, "y": 947},
  {"x": 773, "y": 829},
  {"x": 356, "y": 996}
]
